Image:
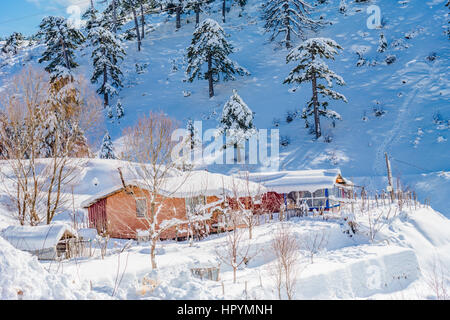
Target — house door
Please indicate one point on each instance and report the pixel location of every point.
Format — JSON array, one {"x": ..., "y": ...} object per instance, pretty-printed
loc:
[{"x": 97, "y": 216}]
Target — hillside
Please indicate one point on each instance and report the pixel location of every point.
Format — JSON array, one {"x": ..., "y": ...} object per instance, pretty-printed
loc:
[{"x": 412, "y": 93}]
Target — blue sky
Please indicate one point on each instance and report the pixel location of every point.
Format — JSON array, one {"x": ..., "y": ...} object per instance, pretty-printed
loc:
[{"x": 25, "y": 15}]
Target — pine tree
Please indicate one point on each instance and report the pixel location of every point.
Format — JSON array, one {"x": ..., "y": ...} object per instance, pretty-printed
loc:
[
  {"x": 114, "y": 14},
  {"x": 342, "y": 6},
  {"x": 61, "y": 41},
  {"x": 107, "y": 149},
  {"x": 241, "y": 4},
  {"x": 91, "y": 15},
  {"x": 236, "y": 120},
  {"x": 209, "y": 45},
  {"x": 13, "y": 43},
  {"x": 109, "y": 113},
  {"x": 193, "y": 135},
  {"x": 195, "y": 5},
  {"x": 119, "y": 110},
  {"x": 312, "y": 68},
  {"x": 288, "y": 17},
  {"x": 179, "y": 7},
  {"x": 131, "y": 6},
  {"x": 107, "y": 51},
  {"x": 382, "y": 44}
]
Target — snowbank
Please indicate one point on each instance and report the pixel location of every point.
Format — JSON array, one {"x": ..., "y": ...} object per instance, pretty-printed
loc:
[
  {"x": 359, "y": 272},
  {"x": 23, "y": 277}
]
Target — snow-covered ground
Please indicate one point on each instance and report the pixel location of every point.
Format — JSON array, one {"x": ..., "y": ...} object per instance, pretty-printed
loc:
[{"x": 397, "y": 266}]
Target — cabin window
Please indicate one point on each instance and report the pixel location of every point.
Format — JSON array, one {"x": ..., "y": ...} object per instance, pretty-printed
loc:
[
  {"x": 193, "y": 203},
  {"x": 141, "y": 208},
  {"x": 304, "y": 194},
  {"x": 319, "y": 193},
  {"x": 314, "y": 199}
]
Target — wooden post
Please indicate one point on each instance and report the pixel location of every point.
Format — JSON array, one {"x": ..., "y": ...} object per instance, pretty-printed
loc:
[{"x": 388, "y": 166}]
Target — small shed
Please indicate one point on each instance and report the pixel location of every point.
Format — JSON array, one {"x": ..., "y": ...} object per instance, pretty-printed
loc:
[{"x": 47, "y": 242}]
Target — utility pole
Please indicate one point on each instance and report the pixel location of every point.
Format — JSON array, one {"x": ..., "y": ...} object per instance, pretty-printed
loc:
[{"x": 389, "y": 172}]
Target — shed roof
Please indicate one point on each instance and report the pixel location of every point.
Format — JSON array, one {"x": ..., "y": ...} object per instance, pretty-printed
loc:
[
  {"x": 298, "y": 180},
  {"x": 31, "y": 238}
]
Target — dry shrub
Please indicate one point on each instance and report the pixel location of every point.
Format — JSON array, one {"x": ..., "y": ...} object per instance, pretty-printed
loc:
[{"x": 286, "y": 249}]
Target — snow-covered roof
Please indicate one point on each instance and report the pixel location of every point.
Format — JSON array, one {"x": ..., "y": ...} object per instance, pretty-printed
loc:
[
  {"x": 209, "y": 184},
  {"x": 191, "y": 184},
  {"x": 298, "y": 180},
  {"x": 30, "y": 238}
]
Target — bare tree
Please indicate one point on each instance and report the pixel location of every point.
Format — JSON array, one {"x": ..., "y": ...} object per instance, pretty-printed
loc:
[
  {"x": 42, "y": 129},
  {"x": 313, "y": 242},
  {"x": 286, "y": 249},
  {"x": 148, "y": 148},
  {"x": 378, "y": 219},
  {"x": 248, "y": 204},
  {"x": 437, "y": 279},
  {"x": 236, "y": 250}
]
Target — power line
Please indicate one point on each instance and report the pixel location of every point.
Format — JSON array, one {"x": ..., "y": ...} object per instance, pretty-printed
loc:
[{"x": 411, "y": 165}]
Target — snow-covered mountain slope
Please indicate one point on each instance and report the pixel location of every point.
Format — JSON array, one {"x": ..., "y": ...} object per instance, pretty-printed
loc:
[{"x": 411, "y": 94}]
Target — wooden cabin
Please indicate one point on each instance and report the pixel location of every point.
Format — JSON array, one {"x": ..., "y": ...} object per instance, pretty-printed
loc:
[
  {"x": 321, "y": 190},
  {"x": 124, "y": 212}
]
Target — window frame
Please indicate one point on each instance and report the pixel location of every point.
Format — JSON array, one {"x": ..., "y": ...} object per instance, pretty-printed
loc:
[{"x": 145, "y": 215}]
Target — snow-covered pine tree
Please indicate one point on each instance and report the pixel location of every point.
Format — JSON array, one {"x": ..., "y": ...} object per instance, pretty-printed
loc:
[
  {"x": 119, "y": 110},
  {"x": 236, "y": 121},
  {"x": 382, "y": 44},
  {"x": 132, "y": 6},
  {"x": 107, "y": 149},
  {"x": 288, "y": 17},
  {"x": 13, "y": 43},
  {"x": 312, "y": 68},
  {"x": 107, "y": 51},
  {"x": 209, "y": 46},
  {"x": 224, "y": 9},
  {"x": 196, "y": 6},
  {"x": 193, "y": 135},
  {"x": 61, "y": 41},
  {"x": 179, "y": 6},
  {"x": 113, "y": 15},
  {"x": 91, "y": 17},
  {"x": 343, "y": 6},
  {"x": 109, "y": 113},
  {"x": 241, "y": 4}
]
